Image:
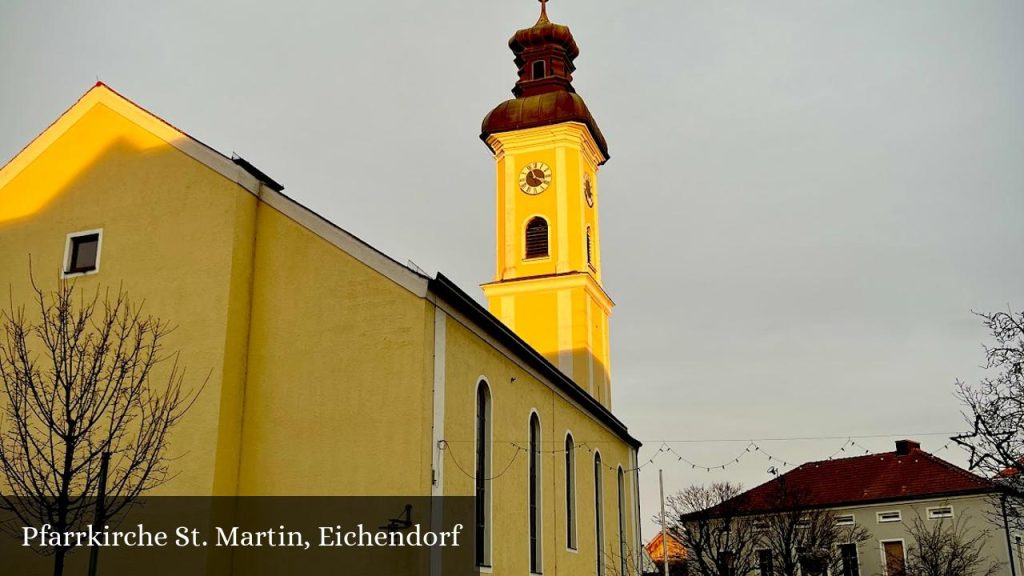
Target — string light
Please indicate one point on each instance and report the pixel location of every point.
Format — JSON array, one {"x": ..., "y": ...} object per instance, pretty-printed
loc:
[{"x": 751, "y": 448}]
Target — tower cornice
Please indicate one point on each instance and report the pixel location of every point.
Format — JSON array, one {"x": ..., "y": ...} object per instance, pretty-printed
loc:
[{"x": 544, "y": 137}]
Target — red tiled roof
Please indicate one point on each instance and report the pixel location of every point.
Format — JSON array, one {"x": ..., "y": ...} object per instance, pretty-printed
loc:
[{"x": 902, "y": 475}]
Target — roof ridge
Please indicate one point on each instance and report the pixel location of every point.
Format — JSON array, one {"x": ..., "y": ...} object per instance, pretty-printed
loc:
[{"x": 844, "y": 458}]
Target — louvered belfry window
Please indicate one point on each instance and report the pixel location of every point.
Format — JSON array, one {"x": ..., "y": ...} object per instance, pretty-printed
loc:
[
  {"x": 590, "y": 258},
  {"x": 537, "y": 238}
]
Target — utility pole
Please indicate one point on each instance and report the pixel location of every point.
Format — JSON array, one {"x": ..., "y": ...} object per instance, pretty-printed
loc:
[{"x": 664, "y": 532}]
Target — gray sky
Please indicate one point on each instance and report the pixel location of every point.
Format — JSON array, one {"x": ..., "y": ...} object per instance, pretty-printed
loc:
[{"x": 804, "y": 202}]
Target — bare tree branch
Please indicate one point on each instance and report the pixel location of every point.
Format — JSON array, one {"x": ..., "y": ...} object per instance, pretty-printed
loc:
[{"x": 83, "y": 377}]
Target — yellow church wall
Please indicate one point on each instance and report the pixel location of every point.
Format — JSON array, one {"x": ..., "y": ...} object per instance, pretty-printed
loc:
[
  {"x": 337, "y": 395},
  {"x": 169, "y": 236},
  {"x": 516, "y": 392}
]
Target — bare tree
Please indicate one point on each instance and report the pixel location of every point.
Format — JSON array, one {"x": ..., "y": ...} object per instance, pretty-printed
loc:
[
  {"x": 803, "y": 539},
  {"x": 719, "y": 539},
  {"x": 948, "y": 548},
  {"x": 995, "y": 410},
  {"x": 83, "y": 414}
]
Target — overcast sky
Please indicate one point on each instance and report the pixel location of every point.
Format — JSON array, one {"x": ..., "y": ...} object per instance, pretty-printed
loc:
[{"x": 805, "y": 200}]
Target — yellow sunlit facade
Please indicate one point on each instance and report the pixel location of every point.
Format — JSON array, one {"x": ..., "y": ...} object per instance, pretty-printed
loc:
[{"x": 555, "y": 301}]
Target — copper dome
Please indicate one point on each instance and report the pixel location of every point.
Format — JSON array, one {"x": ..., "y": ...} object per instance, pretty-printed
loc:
[{"x": 544, "y": 94}]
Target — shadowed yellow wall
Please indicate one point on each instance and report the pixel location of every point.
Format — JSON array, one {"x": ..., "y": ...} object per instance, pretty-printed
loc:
[
  {"x": 337, "y": 359},
  {"x": 512, "y": 402}
]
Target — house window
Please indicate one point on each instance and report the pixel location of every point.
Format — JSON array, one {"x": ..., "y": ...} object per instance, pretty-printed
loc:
[
  {"x": 535, "y": 541},
  {"x": 895, "y": 558},
  {"x": 82, "y": 253},
  {"x": 622, "y": 521},
  {"x": 570, "y": 492},
  {"x": 538, "y": 69},
  {"x": 483, "y": 474},
  {"x": 727, "y": 564},
  {"x": 845, "y": 520},
  {"x": 537, "y": 238},
  {"x": 598, "y": 514},
  {"x": 939, "y": 512},
  {"x": 761, "y": 525},
  {"x": 851, "y": 564},
  {"x": 891, "y": 516},
  {"x": 764, "y": 562}
]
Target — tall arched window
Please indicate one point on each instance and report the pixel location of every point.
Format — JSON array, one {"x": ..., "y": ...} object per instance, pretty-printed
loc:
[
  {"x": 590, "y": 251},
  {"x": 570, "y": 492},
  {"x": 483, "y": 474},
  {"x": 538, "y": 69},
  {"x": 535, "y": 540},
  {"x": 599, "y": 514},
  {"x": 537, "y": 237},
  {"x": 622, "y": 522}
]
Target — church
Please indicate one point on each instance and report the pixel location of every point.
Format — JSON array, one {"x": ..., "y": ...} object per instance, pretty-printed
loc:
[{"x": 336, "y": 370}]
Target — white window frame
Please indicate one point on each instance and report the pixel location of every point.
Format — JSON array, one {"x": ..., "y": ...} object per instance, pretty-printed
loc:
[
  {"x": 932, "y": 515},
  {"x": 881, "y": 550},
  {"x": 846, "y": 520},
  {"x": 898, "y": 518},
  {"x": 489, "y": 526},
  {"x": 575, "y": 507},
  {"x": 67, "y": 253},
  {"x": 856, "y": 548},
  {"x": 540, "y": 493},
  {"x": 757, "y": 553}
]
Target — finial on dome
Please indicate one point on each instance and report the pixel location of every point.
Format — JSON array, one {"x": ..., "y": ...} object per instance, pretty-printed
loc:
[{"x": 543, "y": 12}]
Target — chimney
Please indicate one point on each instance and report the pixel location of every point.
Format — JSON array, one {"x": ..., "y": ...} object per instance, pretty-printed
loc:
[{"x": 904, "y": 447}]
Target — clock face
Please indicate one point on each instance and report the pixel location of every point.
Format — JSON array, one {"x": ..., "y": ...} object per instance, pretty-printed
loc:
[
  {"x": 588, "y": 191},
  {"x": 535, "y": 178}
]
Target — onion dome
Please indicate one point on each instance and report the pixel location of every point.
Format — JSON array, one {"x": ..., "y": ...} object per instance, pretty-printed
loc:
[{"x": 543, "y": 94}]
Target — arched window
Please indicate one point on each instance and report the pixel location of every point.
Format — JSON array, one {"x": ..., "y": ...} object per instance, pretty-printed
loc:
[
  {"x": 538, "y": 69},
  {"x": 570, "y": 492},
  {"x": 590, "y": 251},
  {"x": 537, "y": 238},
  {"x": 599, "y": 514},
  {"x": 535, "y": 540},
  {"x": 483, "y": 474},
  {"x": 622, "y": 522}
]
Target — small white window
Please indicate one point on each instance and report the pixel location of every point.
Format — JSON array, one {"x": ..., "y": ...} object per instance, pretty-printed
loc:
[
  {"x": 761, "y": 525},
  {"x": 892, "y": 516},
  {"x": 937, "y": 512},
  {"x": 82, "y": 253},
  {"x": 845, "y": 520}
]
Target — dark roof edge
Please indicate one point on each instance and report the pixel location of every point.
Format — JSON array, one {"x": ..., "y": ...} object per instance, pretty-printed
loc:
[
  {"x": 454, "y": 296},
  {"x": 257, "y": 173}
]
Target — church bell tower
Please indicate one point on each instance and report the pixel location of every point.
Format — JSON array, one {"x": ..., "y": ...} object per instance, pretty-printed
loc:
[{"x": 548, "y": 149}]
